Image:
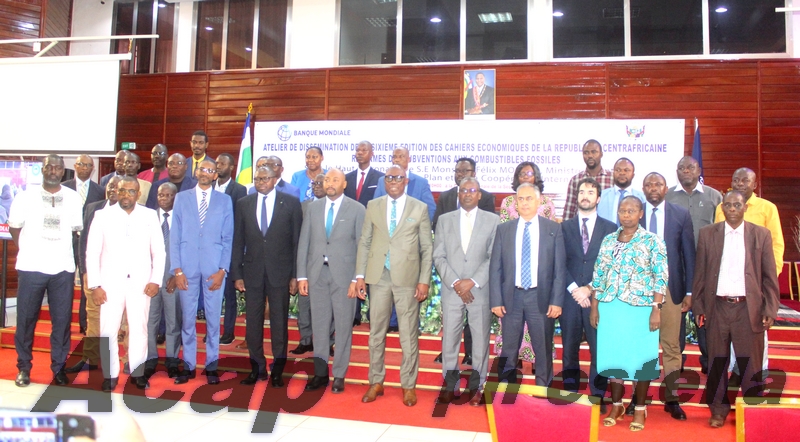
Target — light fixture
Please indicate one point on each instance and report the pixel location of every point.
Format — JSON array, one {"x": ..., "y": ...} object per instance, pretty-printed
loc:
[
  {"x": 248, "y": 49},
  {"x": 721, "y": 9},
  {"x": 558, "y": 14},
  {"x": 496, "y": 17},
  {"x": 162, "y": 5},
  {"x": 209, "y": 28},
  {"x": 436, "y": 20}
]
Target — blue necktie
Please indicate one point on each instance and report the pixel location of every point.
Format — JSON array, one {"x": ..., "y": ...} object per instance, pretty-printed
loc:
[
  {"x": 329, "y": 222},
  {"x": 525, "y": 278},
  {"x": 392, "y": 226},
  {"x": 203, "y": 209},
  {"x": 264, "y": 224},
  {"x": 621, "y": 195},
  {"x": 653, "y": 221}
]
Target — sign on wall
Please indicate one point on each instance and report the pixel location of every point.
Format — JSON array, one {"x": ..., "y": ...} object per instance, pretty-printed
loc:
[{"x": 496, "y": 145}]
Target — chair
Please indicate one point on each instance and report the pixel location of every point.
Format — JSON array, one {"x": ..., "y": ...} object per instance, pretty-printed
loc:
[{"x": 785, "y": 280}]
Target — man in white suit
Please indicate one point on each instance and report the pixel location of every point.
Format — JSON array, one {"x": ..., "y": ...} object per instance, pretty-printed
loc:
[
  {"x": 125, "y": 261},
  {"x": 462, "y": 250},
  {"x": 326, "y": 265}
]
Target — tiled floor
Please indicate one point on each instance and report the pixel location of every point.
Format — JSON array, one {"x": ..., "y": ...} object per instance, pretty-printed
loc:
[{"x": 182, "y": 423}]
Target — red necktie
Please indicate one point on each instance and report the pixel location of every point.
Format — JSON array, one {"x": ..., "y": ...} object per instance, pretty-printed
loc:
[{"x": 360, "y": 185}]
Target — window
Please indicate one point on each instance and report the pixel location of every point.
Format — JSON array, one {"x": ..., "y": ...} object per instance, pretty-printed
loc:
[
  {"x": 141, "y": 18},
  {"x": 368, "y": 32},
  {"x": 666, "y": 28},
  {"x": 746, "y": 26},
  {"x": 497, "y": 30},
  {"x": 588, "y": 29},
  {"x": 431, "y": 30},
  {"x": 208, "y": 48},
  {"x": 271, "y": 33}
]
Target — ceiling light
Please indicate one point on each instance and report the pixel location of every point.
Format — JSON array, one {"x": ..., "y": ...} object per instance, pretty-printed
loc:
[
  {"x": 558, "y": 14},
  {"x": 381, "y": 22},
  {"x": 162, "y": 5},
  {"x": 436, "y": 20},
  {"x": 209, "y": 28},
  {"x": 721, "y": 9},
  {"x": 496, "y": 17},
  {"x": 248, "y": 49}
]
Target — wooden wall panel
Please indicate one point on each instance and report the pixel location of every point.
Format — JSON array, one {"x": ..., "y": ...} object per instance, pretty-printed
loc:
[
  {"x": 185, "y": 110},
  {"x": 19, "y": 19},
  {"x": 140, "y": 110},
  {"x": 58, "y": 19}
]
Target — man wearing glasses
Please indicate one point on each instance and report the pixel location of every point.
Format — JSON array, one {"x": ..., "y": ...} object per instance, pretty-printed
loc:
[
  {"x": 416, "y": 186},
  {"x": 176, "y": 174},
  {"x": 158, "y": 156},
  {"x": 200, "y": 255}
]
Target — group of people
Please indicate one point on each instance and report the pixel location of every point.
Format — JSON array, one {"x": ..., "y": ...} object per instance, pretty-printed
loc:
[{"x": 621, "y": 271}]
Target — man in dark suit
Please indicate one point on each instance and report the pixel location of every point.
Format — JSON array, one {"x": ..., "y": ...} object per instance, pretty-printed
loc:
[
  {"x": 364, "y": 180},
  {"x": 583, "y": 234},
  {"x": 119, "y": 168},
  {"x": 90, "y": 192},
  {"x": 264, "y": 267},
  {"x": 449, "y": 202},
  {"x": 736, "y": 297},
  {"x": 200, "y": 238},
  {"x": 480, "y": 99},
  {"x": 527, "y": 283},
  {"x": 226, "y": 184},
  {"x": 176, "y": 174}
]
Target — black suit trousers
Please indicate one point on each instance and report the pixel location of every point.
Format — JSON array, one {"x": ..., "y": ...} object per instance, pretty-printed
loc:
[{"x": 255, "y": 300}]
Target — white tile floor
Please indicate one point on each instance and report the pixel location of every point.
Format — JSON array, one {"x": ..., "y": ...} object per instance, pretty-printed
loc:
[{"x": 181, "y": 423}]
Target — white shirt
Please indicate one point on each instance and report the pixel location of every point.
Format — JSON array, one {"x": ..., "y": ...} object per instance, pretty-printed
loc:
[
  {"x": 125, "y": 251},
  {"x": 198, "y": 192},
  {"x": 79, "y": 184},
  {"x": 47, "y": 221},
  {"x": 731, "y": 269},
  {"x": 590, "y": 222},
  {"x": 270, "y": 206},
  {"x": 401, "y": 205},
  {"x": 533, "y": 230},
  {"x": 222, "y": 187},
  {"x": 648, "y": 212},
  {"x": 161, "y": 217}
]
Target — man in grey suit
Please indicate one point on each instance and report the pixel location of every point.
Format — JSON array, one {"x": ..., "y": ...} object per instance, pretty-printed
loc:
[
  {"x": 326, "y": 270},
  {"x": 394, "y": 258},
  {"x": 462, "y": 249},
  {"x": 527, "y": 284}
]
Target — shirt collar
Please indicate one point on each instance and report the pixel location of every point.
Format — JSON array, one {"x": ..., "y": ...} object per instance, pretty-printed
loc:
[
  {"x": 400, "y": 200},
  {"x": 591, "y": 217},
  {"x": 659, "y": 207},
  {"x": 365, "y": 171},
  {"x": 471, "y": 212},
  {"x": 697, "y": 188},
  {"x": 161, "y": 213},
  {"x": 268, "y": 194},
  {"x": 729, "y": 229},
  {"x": 333, "y": 201}
]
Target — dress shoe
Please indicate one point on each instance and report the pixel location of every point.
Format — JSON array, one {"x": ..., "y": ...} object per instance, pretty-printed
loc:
[
  {"x": 477, "y": 398},
  {"x": 276, "y": 380},
  {"x": 83, "y": 330},
  {"x": 302, "y": 348},
  {"x": 467, "y": 359},
  {"x": 409, "y": 397},
  {"x": 242, "y": 346},
  {"x": 161, "y": 338},
  {"x": 716, "y": 421},
  {"x": 227, "y": 339},
  {"x": 23, "y": 378},
  {"x": 254, "y": 377},
  {"x": 126, "y": 368},
  {"x": 61, "y": 378},
  {"x": 204, "y": 339},
  {"x": 109, "y": 384},
  {"x": 149, "y": 372},
  {"x": 603, "y": 408},
  {"x": 173, "y": 372},
  {"x": 393, "y": 329},
  {"x": 317, "y": 382},
  {"x": 81, "y": 365},
  {"x": 212, "y": 377},
  {"x": 674, "y": 410},
  {"x": 630, "y": 409},
  {"x": 331, "y": 352},
  {"x": 357, "y": 321},
  {"x": 141, "y": 383},
  {"x": 184, "y": 376},
  {"x": 438, "y": 359},
  {"x": 201, "y": 315},
  {"x": 374, "y": 391},
  {"x": 704, "y": 370},
  {"x": 445, "y": 397},
  {"x": 338, "y": 385}
]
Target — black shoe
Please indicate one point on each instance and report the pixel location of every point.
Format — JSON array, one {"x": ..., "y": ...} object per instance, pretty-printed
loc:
[
  {"x": 467, "y": 359},
  {"x": 185, "y": 376},
  {"x": 704, "y": 370},
  {"x": 331, "y": 352},
  {"x": 603, "y": 408},
  {"x": 254, "y": 377},
  {"x": 126, "y": 368},
  {"x": 438, "y": 359},
  {"x": 393, "y": 329},
  {"x": 276, "y": 380},
  {"x": 735, "y": 380},
  {"x": 161, "y": 338},
  {"x": 81, "y": 365},
  {"x": 201, "y": 314},
  {"x": 302, "y": 348},
  {"x": 23, "y": 378},
  {"x": 226, "y": 339},
  {"x": 83, "y": 330},
  {"x": 173, "y": 372},
  {"x": 212, "y": 377},
  {"x": 61, "y": 378},
  {"x": 357, "y": 321},
  {"x": 630, "y": 409},
  {"x": 317, "y": 382},
  {"x": 141, "y": 383},
  {"x": 109, "y": 384},
  {"x": 149, "y": 372},
  {"x": 674, "y": 410},
  {"x": 338, "y": 385}
]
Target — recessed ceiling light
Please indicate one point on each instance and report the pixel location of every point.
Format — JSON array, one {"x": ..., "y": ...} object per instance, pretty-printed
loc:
[
  {"x": 162, "y": 5},
  {"x": 558, "y": 14},
  {"x": 248, "y": 49},
  {"x": 721, "y": 9},
  {"x": 436, "y": 20},
  {"x": 209, "y": 28},
  {"x": 496, "y": 17}
]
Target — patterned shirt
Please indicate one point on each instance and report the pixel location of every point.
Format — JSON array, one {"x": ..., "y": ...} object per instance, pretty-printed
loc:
[
  {"x": 508, "y": 209},
  {"x": 638, "y": 270},
  {"x": 604, "y": 178}
]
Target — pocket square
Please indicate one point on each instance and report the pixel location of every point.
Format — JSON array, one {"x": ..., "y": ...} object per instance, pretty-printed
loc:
[{"x": 372, "y": 187}]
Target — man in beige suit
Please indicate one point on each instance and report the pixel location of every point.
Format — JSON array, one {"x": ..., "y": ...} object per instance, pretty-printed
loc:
[{"x": 394, "y": 258}]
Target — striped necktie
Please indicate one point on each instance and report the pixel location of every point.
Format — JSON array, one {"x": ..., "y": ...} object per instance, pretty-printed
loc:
[
  {"x": 203, "y": 209},
  {"x": 165, "y": 228},
  {"x": 83, "y": 191},
  {"x": 525, "y": 271}
]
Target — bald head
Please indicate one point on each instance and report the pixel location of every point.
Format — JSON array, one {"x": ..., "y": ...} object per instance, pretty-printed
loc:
[
  {"x": 744, "y": 180},
  {"x": 334, "y": 183}
]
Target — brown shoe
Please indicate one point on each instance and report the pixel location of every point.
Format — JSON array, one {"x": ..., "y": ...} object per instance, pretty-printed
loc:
[
  {"x": 445, "y": 397},
  {"x": 409, "y": 397},
  {"x": 242, "y": 346},
  {"x": 477, "y": 398},
  {"x": 374, "y": 391},
  {"x": 716, "y": 421}
]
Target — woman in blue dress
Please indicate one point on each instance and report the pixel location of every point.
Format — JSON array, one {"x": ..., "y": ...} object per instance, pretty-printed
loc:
[{"x": 630, "y": 280}]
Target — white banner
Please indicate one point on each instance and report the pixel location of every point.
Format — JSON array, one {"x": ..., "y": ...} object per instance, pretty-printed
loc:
[{"x": 497, "y": 146}]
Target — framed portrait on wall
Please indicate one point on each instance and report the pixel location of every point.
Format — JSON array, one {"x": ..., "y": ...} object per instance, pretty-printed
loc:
[{"x": 479, "y": 93}]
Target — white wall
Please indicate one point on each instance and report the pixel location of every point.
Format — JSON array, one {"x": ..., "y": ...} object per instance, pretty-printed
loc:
[
  {"x": 90, "y": 18},
  {"x": 312, "y": 34}
]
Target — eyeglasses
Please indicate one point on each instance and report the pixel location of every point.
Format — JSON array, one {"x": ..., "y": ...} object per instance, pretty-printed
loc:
[
  {"x": 469, "y": 190},
  {"x": 84, "y": 164},
  {"x": 158, "y": 154},
  {"x": 131, "y": 162},
  {"x": 207, "y": 170},
  {"x": 175, "y": 163},
  {"x": 273, "y": 165},
  {"x": 526, "y": 174},
  {"x": 316, "y": 184},
  {"x": 262, "y": 179},
  {"x": 131, "y": 192},
  {"x": 394, "y": 178},
  {"x": 463, "y": 171},
  {"x": 627, "y": 211}
]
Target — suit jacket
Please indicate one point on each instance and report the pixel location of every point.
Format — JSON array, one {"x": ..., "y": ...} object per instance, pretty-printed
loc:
[
  {"x": 282, "y": 186},
  {"x": 274, "y": 253},
  {"x": 105, "y": 178},
  {"x": 410, "y": 246},
  {"x": 761, "y": 280},
  {"x": 167, "y": 262},
  {"x": 236, "y": 191},
  {"x": 95, "y": 193},
  {"x": 487, "y": 97},
  {"x": 201, "y": 251},
  {"x": 341, "y": 247},
  {"x": 552, "y": 273},
  {"x": 580, "y": 266},
  {"x": 448, "y": 202},
  {"x": 152, "y": 198},
  {"x": 453, "y": 263},
  {"x": 417, "y": 188},
  {"x": 372, "y": 181},
  {"x": 679, "y": 239},
  {"x": 88, "y": 216}
]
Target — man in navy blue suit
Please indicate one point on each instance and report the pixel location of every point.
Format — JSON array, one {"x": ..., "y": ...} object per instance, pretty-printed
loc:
[
  {"x": 364, "y": 180},
  {"x": 417, "y": 186},
  {"x": 176, "y": 174},
  {"x": 583, "y": 234}
]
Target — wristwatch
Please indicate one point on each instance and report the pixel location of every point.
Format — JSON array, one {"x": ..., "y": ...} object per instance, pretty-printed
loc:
[{"x": 660, "y": 305}]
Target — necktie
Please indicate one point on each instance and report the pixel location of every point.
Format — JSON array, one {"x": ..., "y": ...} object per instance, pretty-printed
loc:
[
  {"x": 165, "y": 228},
  {"x": 467, "y": 233},
  {"x": 264, "y": 221},
  {"x": 329, "y": 222},
  {"x": 525, "y": 275},
  {"x": 392, "y": 226},
  {"x": 83, "y": 191},
  {"x": 653, "y": 221},
  {"x": 622, "y": 193},
  {"x": 585, "y": 236},
  {"x": 203, "y": 209},
  {"x": 360, "y": 186}
]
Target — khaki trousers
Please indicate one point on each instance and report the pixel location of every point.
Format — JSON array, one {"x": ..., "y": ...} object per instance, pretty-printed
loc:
[{"x": 669, "y": 337}]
